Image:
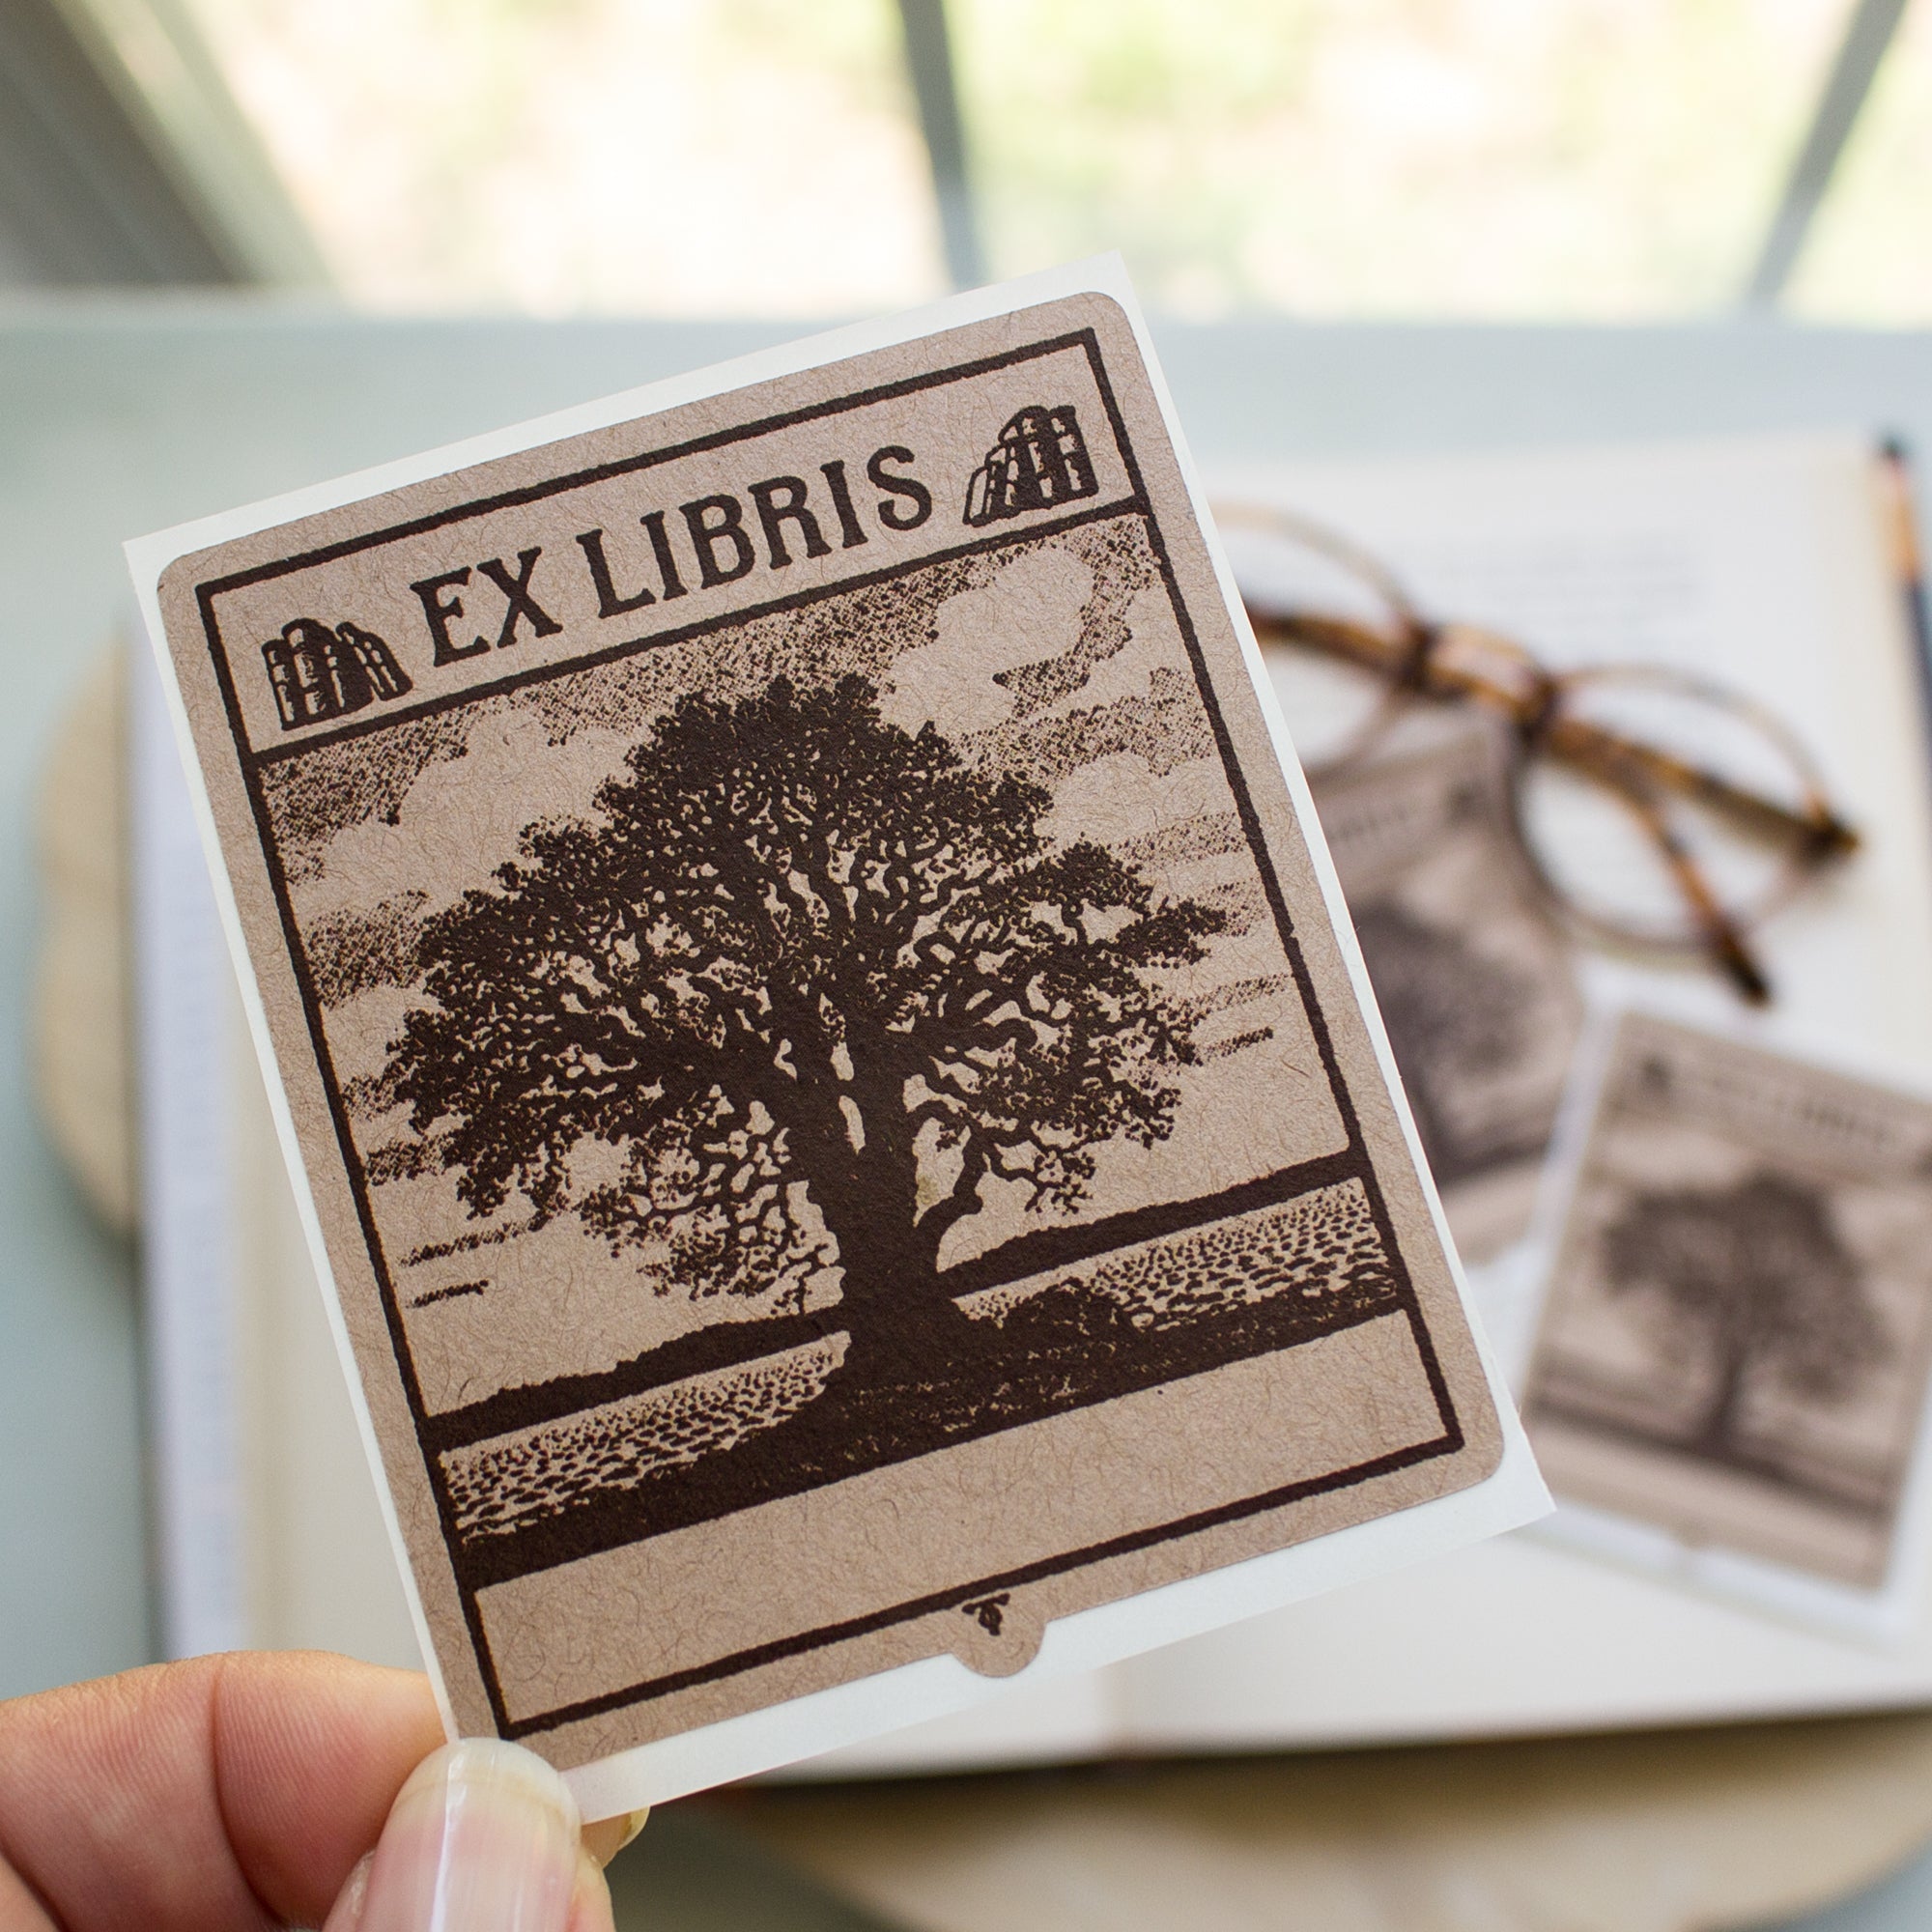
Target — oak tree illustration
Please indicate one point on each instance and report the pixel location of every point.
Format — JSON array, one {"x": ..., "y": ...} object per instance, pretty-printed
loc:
[
  {"x": 1757, "y": 1275},
  {"x": 804, "y": 982}
]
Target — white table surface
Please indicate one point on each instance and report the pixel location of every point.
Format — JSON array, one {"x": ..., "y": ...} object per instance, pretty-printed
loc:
[{"x": 118, "y": 417}]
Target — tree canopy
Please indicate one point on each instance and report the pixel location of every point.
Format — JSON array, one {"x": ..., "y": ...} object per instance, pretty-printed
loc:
[
  {"x": 801, "y": 986},
  {"x": 1756, "y": 1275}
]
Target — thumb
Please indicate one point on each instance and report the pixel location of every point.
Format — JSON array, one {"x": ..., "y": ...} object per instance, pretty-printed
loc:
[{"x": 484, "y": 1837}]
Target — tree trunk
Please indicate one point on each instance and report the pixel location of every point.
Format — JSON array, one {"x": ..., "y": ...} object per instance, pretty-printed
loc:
[
  {"x": 892, "y": 1301},
  {"x": 1718, "y": 1436}
]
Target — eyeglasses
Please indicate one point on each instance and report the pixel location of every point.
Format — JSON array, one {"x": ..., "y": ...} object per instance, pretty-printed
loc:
[{"x": 1661, "y": 814}]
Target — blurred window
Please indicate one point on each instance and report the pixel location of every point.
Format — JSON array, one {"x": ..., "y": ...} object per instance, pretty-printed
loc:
[
  {"x": 1869, "y": 255},
  {"x": 1500, "y": 158},
  {"x": 1478, "y": 158},
  {"x": 665, "y": 157}
]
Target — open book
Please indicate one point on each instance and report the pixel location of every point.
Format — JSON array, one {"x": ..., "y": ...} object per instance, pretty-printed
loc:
[{"x": 1771, "y": 564}]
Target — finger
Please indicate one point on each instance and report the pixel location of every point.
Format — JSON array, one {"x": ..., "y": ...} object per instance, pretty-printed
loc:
[
  {"x": 20, "y": 1910},
  {"x": 590, "y": 1905},
  {"x": 223, "y": 1793},
  {"x": 311, "y": 1750},
  {"x": 483, "y": 1837}
]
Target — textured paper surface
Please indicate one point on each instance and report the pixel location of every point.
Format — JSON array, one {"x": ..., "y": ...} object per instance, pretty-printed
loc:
[
  {"x": 840, "y": 1125},
  {"x": 1737, "y": 1333}
]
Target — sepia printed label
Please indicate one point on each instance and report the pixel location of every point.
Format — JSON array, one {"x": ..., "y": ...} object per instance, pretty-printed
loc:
[
  {"x": 1473, "y": 979},
  {"x": 1739, "y": 1330},
  {"x": 840, "y": 1124}
]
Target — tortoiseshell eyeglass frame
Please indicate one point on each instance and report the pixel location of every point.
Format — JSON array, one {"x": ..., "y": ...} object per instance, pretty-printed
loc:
[{"x": 1420, "y": 660}]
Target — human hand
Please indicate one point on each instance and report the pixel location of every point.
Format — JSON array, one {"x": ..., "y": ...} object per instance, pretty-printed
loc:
[{"x": 236, "y": 1793}]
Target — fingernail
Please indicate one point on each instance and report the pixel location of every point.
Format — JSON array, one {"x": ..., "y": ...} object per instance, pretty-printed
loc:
[
  {"x": 608, "y": 1836},
  {"x": 482, "y": 1839}
]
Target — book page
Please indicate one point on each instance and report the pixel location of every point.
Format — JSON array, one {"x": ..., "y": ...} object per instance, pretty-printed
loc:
[{"x": 1760, "y": 563}]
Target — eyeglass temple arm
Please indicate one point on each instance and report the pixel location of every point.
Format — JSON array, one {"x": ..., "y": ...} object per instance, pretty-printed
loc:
[
  {"x": 1602, "y": 753},
  {"x": 1588, "y": 747},
  {"x": 1721, "y": 936},
  {"x": 1333, "y": 637}
]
